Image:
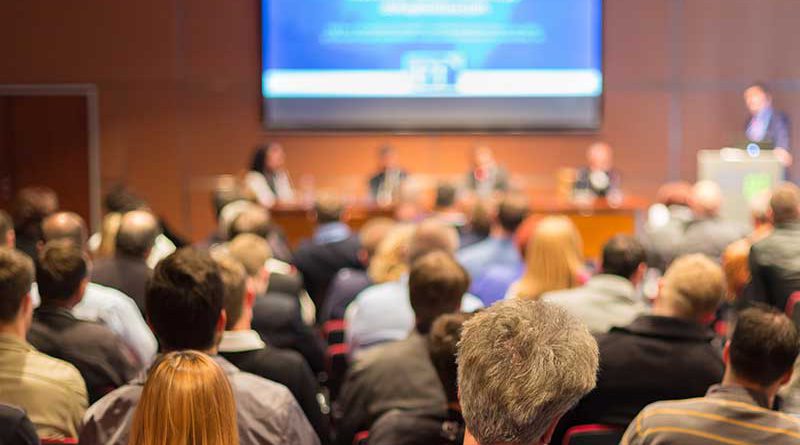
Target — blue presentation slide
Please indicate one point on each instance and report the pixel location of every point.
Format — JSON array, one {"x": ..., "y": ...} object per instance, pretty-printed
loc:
[{"x": 431, "y": 48}]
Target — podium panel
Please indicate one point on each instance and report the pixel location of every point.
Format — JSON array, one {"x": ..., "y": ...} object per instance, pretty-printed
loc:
[{"x": 742, "y": 175}]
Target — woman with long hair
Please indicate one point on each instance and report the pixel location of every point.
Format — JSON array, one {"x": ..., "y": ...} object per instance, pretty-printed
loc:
[
  {"x": 389, "y": 262},
  {"x": 187, "y": 400},
  {"x": 553, "y": 259},
  {"x": 267, "y": 177}
]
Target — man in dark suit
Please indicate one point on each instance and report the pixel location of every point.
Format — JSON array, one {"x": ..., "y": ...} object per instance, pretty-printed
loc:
[
  {"x": 486, "y": 177},
  {"x": 599, "y": 178},
  {"x": 767, "y": 124},
  {"x": 775, "y": 260},
  {"x": 127, "y": 271},
  {"x": 385, "y": 184},
  {"x": 15, "y": 427},
  {"x": 666, "y": 355},
  {"x": 103, "y": 360},
  {"x": 332, "y": 248}
]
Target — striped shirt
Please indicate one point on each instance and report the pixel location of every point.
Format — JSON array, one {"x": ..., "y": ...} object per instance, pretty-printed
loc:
[{"x": 729, "y": 415}]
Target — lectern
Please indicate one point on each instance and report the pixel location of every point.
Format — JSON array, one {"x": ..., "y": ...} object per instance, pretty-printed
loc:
[{"x": 742, "y": 174}]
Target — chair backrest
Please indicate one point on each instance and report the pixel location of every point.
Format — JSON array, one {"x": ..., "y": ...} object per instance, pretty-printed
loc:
[
  {"x": 593, "y": 435},
  {"x": 791, "y": 306},
  {"x": 361, "y": 438}
]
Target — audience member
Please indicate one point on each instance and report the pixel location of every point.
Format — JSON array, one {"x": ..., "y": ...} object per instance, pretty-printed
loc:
[
  {"x": 663, "y": 356},
  {"x": 32, "y": 206},
  {"x": 16, "y": 428},
  {"x": 246, "y": 350},
  {"x": 187, "y": 399},
  {"x": 666, "y": 223},
  {"x": 486, "y": 177},
  {"x": 276, "y": 316},
  {"x": 51, "y": 391},
  {"x": 437, "y": 424},
  {"x": 758, "y": 360},
  {"x": 268, "y": 177},
  {"x": 609, "y": 298},
  {"x": 760, "y": 216},
  {"x": 775, "y": 260},
  {"x": 102, "y": 304},
  {"x": 598, "y": 178},
  {"x": 553, "y": 260},
  {"x": 400, "y": 374},
  {"x": 737, "y": 271},
  {"x": 332, "y": 248},
  {"x": 127, "y": 270},
  {"x": 445, "y": 206},
  {"x": 521, "y": 366},
  {"x": 103, "y": 359},
  {"x": 708, "y": 233},
  {"x": 256, "y": 219},
  {"x": 383, "y": 312},
  {"x": 349, "y": 282},
  {"x": 479, "y": 221},
  {"x": 385, "y": 184},
  {"x": 7, "y": 237},
  {"x": 184, "y": 304},
  {"x": 499, "y": 249}
]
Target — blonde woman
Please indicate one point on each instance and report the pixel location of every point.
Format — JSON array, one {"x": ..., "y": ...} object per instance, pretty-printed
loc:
[
  {"x": 553, "y": 260},
  {"x": 186, "y": 400},
  {"x": 389, "y": 261}
]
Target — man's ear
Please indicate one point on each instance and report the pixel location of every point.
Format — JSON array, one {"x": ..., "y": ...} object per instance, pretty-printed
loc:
[
  {"x": 264, "y": 275},
  {"x": 363, "y": 256},
  {"x": 250, "y": 294},
  {"x": 726, "y": 353},
  {"x": 11, "y": 239},
  {"x": 26, "y": 308},
  {"x": 221, "y": 321},
  {"x": 81, "y": 290},
  {"x": 787, "y": 376}
]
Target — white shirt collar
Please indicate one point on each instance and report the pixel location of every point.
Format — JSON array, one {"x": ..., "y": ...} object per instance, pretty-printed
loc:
[{"x": 241, "y": 341}]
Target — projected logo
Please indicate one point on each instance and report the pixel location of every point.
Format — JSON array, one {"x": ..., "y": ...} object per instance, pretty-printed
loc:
[{"x": 434, "y": 71}]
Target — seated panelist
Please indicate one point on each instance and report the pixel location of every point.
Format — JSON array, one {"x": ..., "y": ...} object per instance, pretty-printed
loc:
[
  {"x": 486, "y": 176},
  {"x": 268, "y": 177},
  {"x": 598, "y": 178},
  {"x": 385, "y": 184}
]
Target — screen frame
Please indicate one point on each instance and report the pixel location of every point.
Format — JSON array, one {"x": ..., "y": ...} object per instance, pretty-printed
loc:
[{"x": 306, "y": 130}]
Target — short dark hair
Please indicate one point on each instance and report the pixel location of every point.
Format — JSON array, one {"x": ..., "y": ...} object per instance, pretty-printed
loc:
[
  {"x": 764, "y": 345},
  {"x": 254, "y": 219},
  {"x": 6, "y": 224},
  {"x": 429, "y": 236},
  {"x": 60, "y": 268},
  {"x": 328, "y": 209},
  {"x": 622, "y": 255},
  {"x": 121, "y": 199},
  {"x": 445, "y": 195},
  {"x": 436, "y": 285},
  {"x": 137, "y": 233},
  {"x": 443, "y": 347},
  {"x": 761, "y": 86},
  {"x": 33, "y": 204},
  {"x": 784, "y": 203},
  {"x": 16, "y": 277},
  {"x": 512, "y": 211},
  {"x": 184, "y": 299}
]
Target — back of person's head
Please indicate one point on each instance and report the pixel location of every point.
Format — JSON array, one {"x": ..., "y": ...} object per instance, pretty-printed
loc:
[
  {"x": 65, "y": 225},
  {"x": 436, "y": 284},
  {"x": 622, "y": 256},
  {"x": 372, "y": 233},
  {"x": 431, "y": 235},
  {"x": 706, "y": 199},
  {"x": 234, "y": 280},
  {"x": 328, "y": 208},
  {"x": 521, "y": 366},
  {"x": 6, "y": 230},
  {"x": 253, "y": 219},
  {"x": 252, "y": 251},
  {"x": 785, "y": 203},
  {"x": 736, "y": 268},
  {"x": 445, "y": 195},
  {"x": 137, "y": 234},
  {"x": 692, "y": 287},
  {"x": 759, "y": 207},
  {"x": 186, "y": 399},
  {"x": 16, "y": 277},
  {"x": 184, "y": 300},
  {"x": 120, "y": 199},
  {"x": 512, "y": 211},
  {"x": 61, "y": 269},
  {"x": 764, "y": 346},
  {"x": 674, "y": 193},
  {"x": 258, "y": 161},
  {"x": 480, "y": 218},
  {"x": 389, "y": 262},
  {"x": 32, "y": 205},
  {"x": 552, "y": 258},
  {"x": 226, "y": 190},
  {"x": 443, "y": 348}
]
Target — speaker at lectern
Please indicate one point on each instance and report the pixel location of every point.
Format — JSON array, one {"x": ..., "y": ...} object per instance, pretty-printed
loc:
[{"x": 742, "y": 175}]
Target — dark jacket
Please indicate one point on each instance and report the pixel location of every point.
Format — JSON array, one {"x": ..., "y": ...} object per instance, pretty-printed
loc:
[
  {"x": 320, "y": 262},
  {"x": 426, "y": 426},
  {"x": 777, "y": 133},
  {"x": 652, "y": 359},
  {"x": 347, "y": 284},
  {"x": 710, "y": 236},
  {"x": 126, "y": 274},
  {"x": 775, "y": 266},
  {"x": 277, "y": 318},
  {"x": 289, "y": 369},
  {"x": 16, "y": 428},
  {"x": 397, "y": 375},
  {"x": 104, "y": 361},
  {"x": 376, "y": 182},
  {"x": 584, "y": 183}
]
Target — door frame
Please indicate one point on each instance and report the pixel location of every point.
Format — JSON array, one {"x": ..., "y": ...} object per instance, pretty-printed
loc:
[{"x": 89, "y": 92}]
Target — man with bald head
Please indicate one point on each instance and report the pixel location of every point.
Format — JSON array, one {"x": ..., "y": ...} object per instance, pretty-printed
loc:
[
  {"x": 708, "y": 233},
  {"x": 383, "y": 312},
  {"x": 100, "y": 303},
  {"x": 127, "y": 271}
]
